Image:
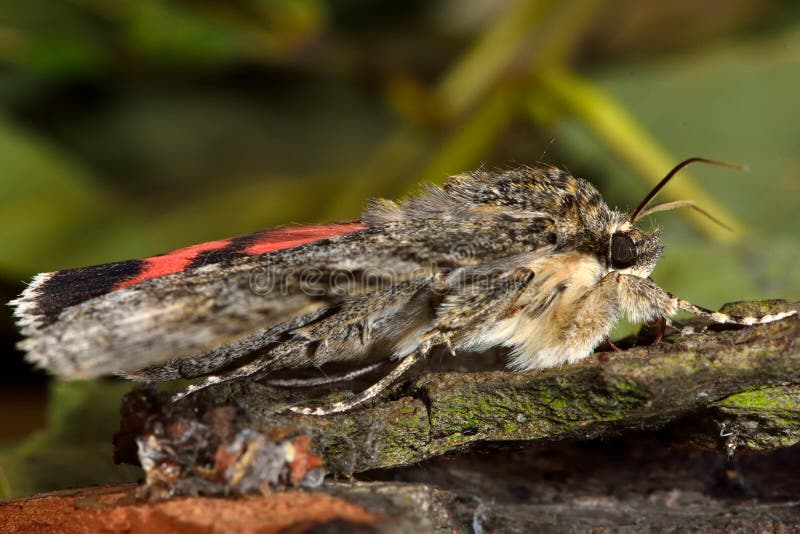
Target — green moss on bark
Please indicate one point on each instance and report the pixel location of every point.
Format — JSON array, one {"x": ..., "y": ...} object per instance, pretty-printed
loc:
[{"x": 739, "y": 372}]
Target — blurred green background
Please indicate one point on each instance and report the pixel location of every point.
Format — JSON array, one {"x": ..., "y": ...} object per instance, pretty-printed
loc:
[{"x": 131, "y": 127}]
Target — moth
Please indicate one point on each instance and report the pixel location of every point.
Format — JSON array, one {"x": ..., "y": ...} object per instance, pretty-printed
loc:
[{"x": 531, "y": 259}]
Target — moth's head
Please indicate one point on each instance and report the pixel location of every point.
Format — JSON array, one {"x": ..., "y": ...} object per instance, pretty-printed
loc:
[{"x": 633, "y": 251}]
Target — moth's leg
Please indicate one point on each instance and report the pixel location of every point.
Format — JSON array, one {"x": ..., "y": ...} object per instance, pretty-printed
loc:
[
  {"x": 685, "y": 330},
  {"x": 661, "y": 323},
  {"x": 585, "y": 322},
  {"x": 588, "y": 320},
  {"x": 348, "y": 331},
  {"x": 612, "y": 345},
  {"x": 369, "y": 393},
  {"x": 324, "y": 380},
  {"x": 193, "y": 367},
  {"x": 471, "y": 304},
  {"x": 245, "y": 371},
  {"x": 724, "y": 318},
  {"x": 643, "y": 300},
  {"x": 594, "y": 314}
]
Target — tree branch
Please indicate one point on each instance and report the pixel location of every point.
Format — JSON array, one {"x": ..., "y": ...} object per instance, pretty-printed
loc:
[{"x": 730, "y": 389}]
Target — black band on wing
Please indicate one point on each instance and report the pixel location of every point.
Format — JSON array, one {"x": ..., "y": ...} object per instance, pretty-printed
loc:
[
  {"x": 73, "y": 286},
  {"x": 235, "y": 249}
]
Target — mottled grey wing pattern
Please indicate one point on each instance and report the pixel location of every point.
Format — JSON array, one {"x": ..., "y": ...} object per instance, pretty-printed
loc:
[{"x": 363, "y": 294}]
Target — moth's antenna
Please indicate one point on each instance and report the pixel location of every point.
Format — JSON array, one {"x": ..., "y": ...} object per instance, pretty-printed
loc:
[
  {"x": 673, "y": 172},
  {"x": 541, "y": 158},
  {"x": 667, "y": 206}
]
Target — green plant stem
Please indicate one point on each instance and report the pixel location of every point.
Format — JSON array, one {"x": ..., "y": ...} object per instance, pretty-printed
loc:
[
  {"x": 459, "y": 91},
  {"x": 616, "y": 128}
]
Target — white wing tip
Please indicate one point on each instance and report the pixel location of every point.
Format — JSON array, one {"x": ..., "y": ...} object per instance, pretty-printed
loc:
[{"x": 26, "y": 308}]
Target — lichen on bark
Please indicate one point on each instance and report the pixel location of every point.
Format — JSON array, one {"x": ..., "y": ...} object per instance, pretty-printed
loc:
[{"x": 733, "y": 383}]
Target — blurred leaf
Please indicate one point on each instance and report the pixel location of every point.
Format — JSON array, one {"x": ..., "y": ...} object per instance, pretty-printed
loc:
[
  {"x": 185, "y": 35},
  {"x": 736, "y": 102},
  {"x": 75, "y": 450},
  {"x": 171, "y": 33},
  {"x": 528, "y": 33},
  {"x": 263, "y": 203},
  {"x": 620, "y": 132},
  {"x": 472, "y": 139},
  {"x": 43, "y": 194},
  {"x": 480, "y": 67},
  {"x": 64, "y": 55}
]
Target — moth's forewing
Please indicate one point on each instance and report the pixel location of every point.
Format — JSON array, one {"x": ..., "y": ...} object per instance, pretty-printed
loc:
[{"x": 122, "y": 316}]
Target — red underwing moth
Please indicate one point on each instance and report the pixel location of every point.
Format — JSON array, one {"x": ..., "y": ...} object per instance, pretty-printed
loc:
[{"x": 531, "y": 259}]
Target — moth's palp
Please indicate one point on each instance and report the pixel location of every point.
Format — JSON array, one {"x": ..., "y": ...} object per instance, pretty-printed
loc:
[
  {"x": 660, "y": 185},
  {"x": 667, "y": 206}
]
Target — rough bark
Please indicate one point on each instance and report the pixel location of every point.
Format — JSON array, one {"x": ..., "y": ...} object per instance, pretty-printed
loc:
[
  {"x": 631, "y": 485},
  {"x": 535, "y": 467},
  {"x": 731, "y": 389}
]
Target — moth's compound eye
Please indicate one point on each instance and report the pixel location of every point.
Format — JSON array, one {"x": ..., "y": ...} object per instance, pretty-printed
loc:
[{"x": 623, "y": 251}]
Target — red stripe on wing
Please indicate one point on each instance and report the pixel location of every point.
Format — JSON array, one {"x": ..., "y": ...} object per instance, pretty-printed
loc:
[
  {"x": 171, "y": 262},
  {"x": 260, "y": 243},
  {"x": 284, "y": 238}
]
